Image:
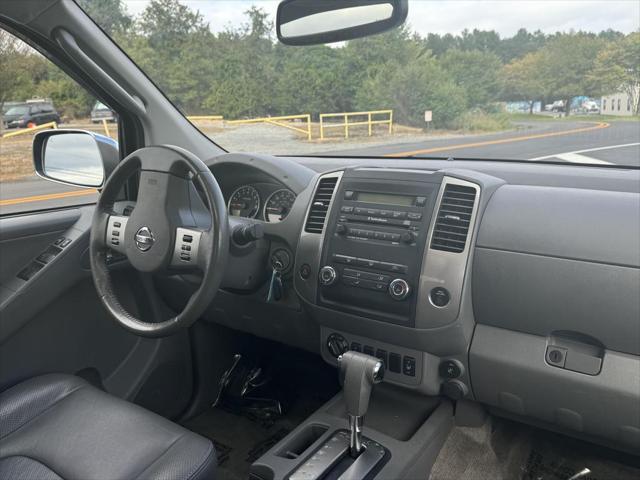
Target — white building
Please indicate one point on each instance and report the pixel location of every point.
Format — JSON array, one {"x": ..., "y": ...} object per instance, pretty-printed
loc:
[{"x": 617, "y": 104}]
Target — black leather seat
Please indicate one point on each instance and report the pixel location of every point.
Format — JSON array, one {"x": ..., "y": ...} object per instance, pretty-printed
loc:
[{"x": 60, "y": 427}]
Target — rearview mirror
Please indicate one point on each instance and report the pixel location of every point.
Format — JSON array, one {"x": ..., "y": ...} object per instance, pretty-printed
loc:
[
  {"x": 309, "y": 22},
  {"x": 74, "y": 157}
]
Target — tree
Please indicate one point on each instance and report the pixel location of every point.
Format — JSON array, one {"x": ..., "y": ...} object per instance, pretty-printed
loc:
[
  {"x": 111, "y": 15},
  {"x": 521, "y": 80},
  {"x": 565, "y": 64},
  {"x": 475, "y": 71},
  {"x": 617, "y": 68}
]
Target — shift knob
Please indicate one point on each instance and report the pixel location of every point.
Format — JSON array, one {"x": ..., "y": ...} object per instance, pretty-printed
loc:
[{"x": 358, "y": 374}]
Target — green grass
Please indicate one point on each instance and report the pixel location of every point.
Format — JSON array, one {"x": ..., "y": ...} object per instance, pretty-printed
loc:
[
  {"x": 478, "y": 121},
  {"x": 525, "y": 117}
]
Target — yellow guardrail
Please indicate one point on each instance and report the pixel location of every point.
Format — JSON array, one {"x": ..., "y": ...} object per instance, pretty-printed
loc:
[
  {"x": 31, "y": 130},
  {"x": 370, "y": 121},
  {"x": 195, "y": 118},
  {"x": 279, "y": 121}
]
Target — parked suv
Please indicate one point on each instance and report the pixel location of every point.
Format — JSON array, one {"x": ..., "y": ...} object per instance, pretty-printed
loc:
[
  {"x": 28, "y": 114},
  {"x": 101, "y": 112}
]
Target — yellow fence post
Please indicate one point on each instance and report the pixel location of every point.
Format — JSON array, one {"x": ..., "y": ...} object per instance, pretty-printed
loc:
[
  {"x": 369, "y": 120},
  {"x": 44, "y": 126},
  {"x": 321, "y": 127},
  {"x": 390, "y": 122},
  {"x": 346, "y": 126},
  {"x": 106, "y": 127},
  {"x": 309, "y": 126},
  {"x": 279, "y": 122}
]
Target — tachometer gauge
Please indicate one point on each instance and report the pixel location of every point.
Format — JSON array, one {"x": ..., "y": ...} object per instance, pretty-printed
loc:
[
  {"x": 278, "y": 205},
  {"x": 244, "y": 202}
]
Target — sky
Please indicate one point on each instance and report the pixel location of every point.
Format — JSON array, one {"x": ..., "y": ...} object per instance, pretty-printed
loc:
[{"x": 453, "y": 16}]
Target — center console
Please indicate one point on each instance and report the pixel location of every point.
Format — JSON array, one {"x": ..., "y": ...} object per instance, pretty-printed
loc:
[{"x": 374, "y": 243}]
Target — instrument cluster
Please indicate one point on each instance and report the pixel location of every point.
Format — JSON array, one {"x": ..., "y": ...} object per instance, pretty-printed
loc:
[{"x": 267, "y": 202}]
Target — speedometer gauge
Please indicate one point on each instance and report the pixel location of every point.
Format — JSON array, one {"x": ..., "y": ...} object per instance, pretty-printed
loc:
[
  {"x": 244, "y": 202},
  {"x": 278, "y": 205}
]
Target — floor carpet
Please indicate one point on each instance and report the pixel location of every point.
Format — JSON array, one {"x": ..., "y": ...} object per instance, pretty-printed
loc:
[{"x": 505, "y": 450}]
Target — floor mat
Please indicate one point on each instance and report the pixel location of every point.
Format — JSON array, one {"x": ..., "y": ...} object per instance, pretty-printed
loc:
[
  {"x": 304, "y": 385},
  {"x": 505, "y": 450}
]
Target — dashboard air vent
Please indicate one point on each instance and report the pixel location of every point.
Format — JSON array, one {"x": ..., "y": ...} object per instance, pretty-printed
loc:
[
  {"x": 454, "y": 217},
  {"x": 320, "y": 205}
]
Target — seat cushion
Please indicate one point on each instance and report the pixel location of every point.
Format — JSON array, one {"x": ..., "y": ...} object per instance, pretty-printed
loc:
[{"x": 59, "y": 426}]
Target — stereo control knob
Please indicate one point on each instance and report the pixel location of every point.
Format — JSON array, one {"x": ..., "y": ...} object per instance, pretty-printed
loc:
[
  {"x": 328, "y": 275},
  {"x": 341, "y": 229},
  {"x": 399, "y": 289}
]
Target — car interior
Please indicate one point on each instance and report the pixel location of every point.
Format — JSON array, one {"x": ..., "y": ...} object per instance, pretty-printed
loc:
[{"x": 241, "y": 315}]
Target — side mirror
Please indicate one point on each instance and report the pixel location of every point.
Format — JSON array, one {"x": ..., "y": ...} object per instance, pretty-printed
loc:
[
  {"x": 74, "y": 157},
  {"x": 309, "y": 22}
]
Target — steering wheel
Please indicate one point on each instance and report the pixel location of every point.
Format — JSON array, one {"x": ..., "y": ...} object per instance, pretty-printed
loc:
[{"x": 165, "y": 232}]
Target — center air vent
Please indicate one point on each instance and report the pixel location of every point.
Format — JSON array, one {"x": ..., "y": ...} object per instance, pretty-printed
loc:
[
  {"x": 320, "y": 205},
  {"x": 454, "y": 217}
]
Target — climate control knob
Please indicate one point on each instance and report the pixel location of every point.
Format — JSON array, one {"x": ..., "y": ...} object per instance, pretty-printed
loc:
[
  {"x": 328, "y": 275},
  {"x": 337, "y": 344},
  {"x": 399, "y": 289}
]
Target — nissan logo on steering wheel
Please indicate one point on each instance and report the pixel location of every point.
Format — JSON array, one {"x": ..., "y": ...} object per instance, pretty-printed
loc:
[{"x": 144, "y": 239}]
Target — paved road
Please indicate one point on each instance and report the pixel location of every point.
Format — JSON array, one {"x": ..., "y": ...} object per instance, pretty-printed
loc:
[{"x": 594, "y": 143}]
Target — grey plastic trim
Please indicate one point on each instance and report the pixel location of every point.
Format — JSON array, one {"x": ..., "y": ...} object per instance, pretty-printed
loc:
[
  {"x": 67, "y": 41},
  {"x": 509, "y": 371},
  {"x": 310, "y": 245},
  {"x": 444, "y": 269}
]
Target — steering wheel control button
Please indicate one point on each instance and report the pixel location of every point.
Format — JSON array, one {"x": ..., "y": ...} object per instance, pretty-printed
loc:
[
  {"x": 328, "y": 275},
  {"x": 409, "y": 366},
  {"x": 115, "y": 232},
  {"x": 185, "y": 251},
  {"x": 337, "y": 344},
  {"x": 399, "y": 289},
  {"x": 450, "y": 369},
  {"x": 439, "y": 296}
]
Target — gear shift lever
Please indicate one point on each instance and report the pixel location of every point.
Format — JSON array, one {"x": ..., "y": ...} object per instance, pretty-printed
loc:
[{"x": 358, "y": 374}]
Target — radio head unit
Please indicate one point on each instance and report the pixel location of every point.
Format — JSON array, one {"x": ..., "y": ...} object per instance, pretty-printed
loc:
[{"x": 374, "y": 243}]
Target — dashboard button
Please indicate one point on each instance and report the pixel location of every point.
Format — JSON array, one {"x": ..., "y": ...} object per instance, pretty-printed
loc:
[
  {"x": 409, "y": 366},
  {"x": 399, "y": 215},
  {"x": 351, "y": 281},
  {"x": 395, "y": 363},
  {"x": 356, "y": 347},
  {"x": 364, "y": 262},
  {"x": 350, "y": 272},
  {"x": 344, "y": 259},
  {"x": 421, "y": 201},
  {"x": 346, "y": 209},
  {"x": 382, "y": 355},
  {"x": 348, "y": 194},
  {"x": 414, "y": 216},
  {"x": 368, "y": 350},
  {"x": 439, "y": 296},
  {"x": 305, "y": 271}
]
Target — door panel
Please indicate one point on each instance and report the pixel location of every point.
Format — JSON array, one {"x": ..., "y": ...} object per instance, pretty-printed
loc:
[{"x": 55, "y": 322}]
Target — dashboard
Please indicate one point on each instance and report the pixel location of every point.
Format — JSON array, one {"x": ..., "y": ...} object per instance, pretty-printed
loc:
[{"x": 465, "y": 277}]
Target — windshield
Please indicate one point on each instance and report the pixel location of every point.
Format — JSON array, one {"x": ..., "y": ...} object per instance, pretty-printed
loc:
[
  {"x": 20, "y": 110},
  {"x": 512, "y": 80}
]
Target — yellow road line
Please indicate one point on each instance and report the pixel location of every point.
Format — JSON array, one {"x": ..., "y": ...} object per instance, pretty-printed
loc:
[
  {"x": 499, "y": 141},
  {"x": 49, "y": 196}
]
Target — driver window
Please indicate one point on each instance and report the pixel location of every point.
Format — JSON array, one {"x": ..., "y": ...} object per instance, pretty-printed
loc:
[{"x": 36, "y": 95}]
